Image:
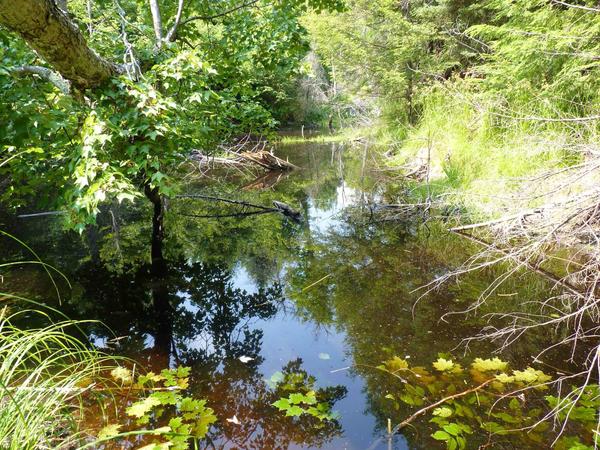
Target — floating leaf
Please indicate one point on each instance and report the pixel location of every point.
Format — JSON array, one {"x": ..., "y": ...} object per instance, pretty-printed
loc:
[
  {"x": 443, "y": 365},
  {"x": 294, "y": 411},
  {"x": 443, "y": 411},
  {"x": 109, "y": 431},
  {"x": 121, "y": 374},
  {"x": 141, "y": 408},
  {"x": 489, "y": 365},
  {"x": 441, "y": 436},
  {"x": 530, "y": 375},
  {"x": 504, "y": 378},
  {"x": 324, "y": 356},
  {"x": 282, "y": 404},
  {"x": 296, "y": 398},
  {"x": 395, "y": 364}
]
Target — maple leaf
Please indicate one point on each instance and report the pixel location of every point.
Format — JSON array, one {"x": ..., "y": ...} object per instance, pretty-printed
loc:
[
  {"x": 443, "y": 365},
  {"x": 109, "y": 431},
  {"x": 141, "y": 408},
  {"x": 489, "y": 365}
]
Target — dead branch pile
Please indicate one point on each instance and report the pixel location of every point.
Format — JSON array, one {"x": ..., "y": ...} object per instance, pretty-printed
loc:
[{"x": 247, "y": 150}]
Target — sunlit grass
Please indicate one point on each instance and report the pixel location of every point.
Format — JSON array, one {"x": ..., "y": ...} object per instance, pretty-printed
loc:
[
  {"x": 45, "y": 374},
  {"x": 472, "y": 163}
]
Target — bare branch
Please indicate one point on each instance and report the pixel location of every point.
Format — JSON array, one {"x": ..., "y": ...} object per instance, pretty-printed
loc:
[
  {"x": 173, "y": 31},
  {"x": 216, "y": 16}
]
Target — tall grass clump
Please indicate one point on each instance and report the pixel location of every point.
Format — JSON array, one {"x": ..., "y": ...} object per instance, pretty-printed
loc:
[
  {"x": 475, "y": 157},
  {"x": 45, "y": 374}
]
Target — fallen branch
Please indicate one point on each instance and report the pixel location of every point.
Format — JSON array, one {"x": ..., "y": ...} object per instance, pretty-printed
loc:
[
  {"x": 422, "y": 411},
  {"x": 560, "y": 282},
  {"x": 262, "y": 158},
  {"x": 279, "y": 207},
  {"x": 521, "y": 215}
]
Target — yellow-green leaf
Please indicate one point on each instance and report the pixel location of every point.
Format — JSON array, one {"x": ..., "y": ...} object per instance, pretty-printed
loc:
[
  {"x": 489, "y": 365},
  {"x": 122, "y": 374},
  {"x": 141, "y": 408},
  {"x": 443, "y": 365},
  {"x": 109, "y": 431}
]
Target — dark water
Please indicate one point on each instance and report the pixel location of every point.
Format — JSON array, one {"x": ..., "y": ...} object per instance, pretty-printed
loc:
[{"x": 329, "y": 297}]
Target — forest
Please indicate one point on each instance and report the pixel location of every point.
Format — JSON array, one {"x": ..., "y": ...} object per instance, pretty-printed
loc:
[{"x": 299, "y": 224}]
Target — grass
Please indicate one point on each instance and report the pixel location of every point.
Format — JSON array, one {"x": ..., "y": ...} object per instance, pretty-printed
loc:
[
  {"x": 44, "y": 375},
  {"x": 474, "y": 164},
  {"x": 45, "y": 372}
]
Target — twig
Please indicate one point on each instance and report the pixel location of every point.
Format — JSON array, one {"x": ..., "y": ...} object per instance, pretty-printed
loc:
[
  {"x": 216, "y": 16},
  {"x": 422, "y": 411},
  {"x": 438, "y": 403}
]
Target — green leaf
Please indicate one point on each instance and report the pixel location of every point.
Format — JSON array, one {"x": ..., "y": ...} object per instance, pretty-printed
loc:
[
  {"x": 441, "y": 436},
  {"x": 282, "y": 404},
  {"x": 443, "y": 411},
  {"x": 109, "y": 431},
  {"x": 294, "y": 411},
  {"x": 443, "y": 365},
  {"x": 141, "y": 408},
  {"x": 489, "y": 365}
]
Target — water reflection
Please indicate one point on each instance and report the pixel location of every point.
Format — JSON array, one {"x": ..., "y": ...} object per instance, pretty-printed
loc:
[{"x": 329, "y": 298}]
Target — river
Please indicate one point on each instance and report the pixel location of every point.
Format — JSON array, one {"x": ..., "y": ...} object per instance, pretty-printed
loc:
[{"x": 241, "y": 299}]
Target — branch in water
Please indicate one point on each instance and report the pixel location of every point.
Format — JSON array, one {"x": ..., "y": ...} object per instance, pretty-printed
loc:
[{"x": 279, "y": 207}]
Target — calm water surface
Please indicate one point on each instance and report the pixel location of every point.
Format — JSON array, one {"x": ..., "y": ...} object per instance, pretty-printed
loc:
[{"x": 330, "y": 297}]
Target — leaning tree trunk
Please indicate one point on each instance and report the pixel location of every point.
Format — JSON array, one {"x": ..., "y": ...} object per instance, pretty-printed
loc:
[{"x": 52, "y": 34}]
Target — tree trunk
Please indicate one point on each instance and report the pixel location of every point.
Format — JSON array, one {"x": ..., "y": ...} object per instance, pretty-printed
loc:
[{"x": 50, "y": 32}]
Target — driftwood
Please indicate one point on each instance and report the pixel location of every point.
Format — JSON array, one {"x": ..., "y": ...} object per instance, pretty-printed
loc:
[
  {"x": 262, "y": 158},
  {"x": 266, "y": 180}
]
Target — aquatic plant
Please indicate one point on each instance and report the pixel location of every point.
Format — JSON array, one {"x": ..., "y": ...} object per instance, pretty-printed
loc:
[
  {"x": 299, "y": 396},
  {"x": 500, "y": 402},
  {"x": 153, "y": 407},
  {"x": 44, "y": 375}
]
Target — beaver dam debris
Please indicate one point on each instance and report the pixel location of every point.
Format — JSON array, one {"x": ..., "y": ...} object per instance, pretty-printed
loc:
[{"x": 245, "y": 151}]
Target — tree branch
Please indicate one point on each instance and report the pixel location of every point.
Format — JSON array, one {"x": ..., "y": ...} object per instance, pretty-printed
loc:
[
  {"x": 53, "y": 35},
  {"x": 216, "y": 16},
  {"x": 438, "y": 403},
  {"x": 173, "y": 31},
  {"x": 46, "y": 74},
  {"x": 570, "y": 5},
  {"x": 156, "y": 21}
]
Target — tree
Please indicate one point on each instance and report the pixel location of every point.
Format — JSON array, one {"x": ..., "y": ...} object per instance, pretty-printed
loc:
[{"x": 211, "y": 74}]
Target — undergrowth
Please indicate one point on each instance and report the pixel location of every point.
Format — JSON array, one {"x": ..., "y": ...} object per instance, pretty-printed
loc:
[{"x": 475, "y": 158}]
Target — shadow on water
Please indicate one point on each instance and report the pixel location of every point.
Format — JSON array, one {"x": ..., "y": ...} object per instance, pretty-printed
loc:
[{"x": 328, "y": 299}]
